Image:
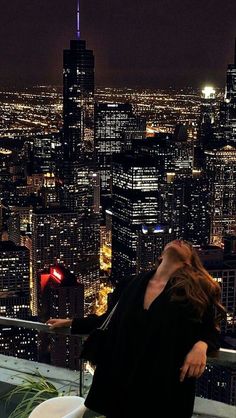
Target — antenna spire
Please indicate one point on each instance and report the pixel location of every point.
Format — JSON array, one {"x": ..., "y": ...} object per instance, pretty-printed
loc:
[
  {"x": 78, "y": 20},
  {"x": 235, "y": 53}
]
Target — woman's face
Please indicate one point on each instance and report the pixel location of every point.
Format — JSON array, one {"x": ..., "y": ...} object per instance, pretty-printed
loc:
[{"x": 182, "y": 248}]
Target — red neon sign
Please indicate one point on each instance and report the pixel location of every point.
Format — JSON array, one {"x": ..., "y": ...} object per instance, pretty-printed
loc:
[{"x": 56, "y": 274}]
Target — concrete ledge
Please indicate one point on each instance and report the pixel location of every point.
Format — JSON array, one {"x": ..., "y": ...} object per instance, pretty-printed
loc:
[
  {"x": 206, "y": 408},
  {"x": 13, "y": 369}
]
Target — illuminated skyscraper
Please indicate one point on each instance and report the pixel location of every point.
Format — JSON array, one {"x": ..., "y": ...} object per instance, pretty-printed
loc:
[
  {"x": 115, "y": 127},
  {"x": 208, "y": 132},
  {"x": 135, "y": 207},
  {"x": 190, "y": 207},
  {"x": 151, "y": 240},
  {"x": 56, "y": 238},
  {"x": 77, "y": 164},
  {"x": 228, "y": 108},
  {"x": 15, "y": 300},
  {"x": 43, "y": 154},
  {"x": 61, "y": 297},
  {"x": 230, "y": 93},
  {"x": 207, "y": 122},
  {"x": 171, "y": 155},
  {"x": 61, "y": 236},
  {"x": 78, "y": 98},
  {"x": 221, "y": 170},
  {"x": 78, "y": 172},
  {"x": 14, "y": 267}
]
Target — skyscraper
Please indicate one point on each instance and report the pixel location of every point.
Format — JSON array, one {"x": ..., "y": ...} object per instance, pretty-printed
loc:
[
  {"x": 151, "y": 240},
  {"x": 207, "y": 120},
  {"x": 191, "y": 207},
  {"x": 135, "y": 209},
  {"x": 228, "y": 107},
  {"x": 15, "y": 300},
  {"x": 221, "y": 170},
  {"x": 115, "y": 127},
  {"x": 77, "y": 163},
  {"x": 78, "y": 172},
  {"x": 62, "y": 297},
  {"x": 43, "y": 154},
  {"x": 15, "y": 284},
  {"x": 56, "y": 238},
  {"x": 78, "y": 97}
]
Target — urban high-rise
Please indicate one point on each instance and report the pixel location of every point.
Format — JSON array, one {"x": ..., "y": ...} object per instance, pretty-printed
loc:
[
  {"x": 61, "y": 297},
  {"x": 135, "y": 211},
  {"x": 228, "y": 107},
  {"x": 115, "y": 127},
  {"x": 15, "y": 300},
  {"x": 78, "y": 171},
  {"x": 221, "y": 171},
  {"x": 78, "y": 100},
  {"x": 56, "y": 238}
]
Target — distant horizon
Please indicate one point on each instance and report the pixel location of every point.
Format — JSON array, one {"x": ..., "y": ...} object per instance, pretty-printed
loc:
[{"x": 100, "y": 86}]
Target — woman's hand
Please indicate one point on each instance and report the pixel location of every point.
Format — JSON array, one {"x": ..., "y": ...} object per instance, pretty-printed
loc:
[
  {"x": 59, "y": 323},
  {"x": 195, "y": 361}
]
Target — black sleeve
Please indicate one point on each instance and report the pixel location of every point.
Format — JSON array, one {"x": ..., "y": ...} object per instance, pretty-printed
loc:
[
  {"x": 209, "y": 332},
  {"x": 86, "y": 325}
]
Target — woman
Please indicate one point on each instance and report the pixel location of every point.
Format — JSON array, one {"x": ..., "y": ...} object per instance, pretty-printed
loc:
[{"x": 164, "y": 326}]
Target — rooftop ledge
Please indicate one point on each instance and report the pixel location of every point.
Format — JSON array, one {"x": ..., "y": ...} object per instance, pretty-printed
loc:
[{"x": 13, "y": 370}]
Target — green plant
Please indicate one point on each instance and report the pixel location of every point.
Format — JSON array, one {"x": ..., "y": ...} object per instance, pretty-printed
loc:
[{"x": 31, "y": 393}]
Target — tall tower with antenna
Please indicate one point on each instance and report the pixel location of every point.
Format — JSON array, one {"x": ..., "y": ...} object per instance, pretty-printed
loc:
[
  {"x": 78, "y": 20},
  {"x": 78, "y": 96},
  {"x": 79, "y": 176}
]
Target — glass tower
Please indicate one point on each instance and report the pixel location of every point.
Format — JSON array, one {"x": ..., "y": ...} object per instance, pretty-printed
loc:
[{"x": 78, "y": 100}]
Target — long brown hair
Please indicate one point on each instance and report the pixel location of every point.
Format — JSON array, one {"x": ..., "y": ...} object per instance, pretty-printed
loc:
[{"x": 195, "y": 284}]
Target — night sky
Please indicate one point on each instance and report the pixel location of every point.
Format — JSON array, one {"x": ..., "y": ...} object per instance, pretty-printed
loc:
[{"x": 152, "y": 43}]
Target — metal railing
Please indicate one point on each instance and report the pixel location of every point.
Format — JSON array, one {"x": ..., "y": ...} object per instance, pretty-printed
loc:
[
  {"x": 41, "y": 327},
  {"x": 223, "y": 357},
  {"x": 38, "y": 326}
]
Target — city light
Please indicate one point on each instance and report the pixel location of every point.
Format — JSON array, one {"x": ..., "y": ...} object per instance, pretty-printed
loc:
[
  {"x": 208, "y": 92},
  {"x": 94, "y": 183},
  {"x": 57, "y": 275}
]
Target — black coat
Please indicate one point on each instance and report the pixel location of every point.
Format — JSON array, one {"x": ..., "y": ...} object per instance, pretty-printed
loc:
[{"x": 140, "y": 375}]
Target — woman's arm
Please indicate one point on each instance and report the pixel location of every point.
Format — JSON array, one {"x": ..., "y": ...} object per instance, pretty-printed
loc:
[
  {"x": 207, "y": 344},
  {"x": 87, "y": 324},
  {"x": 209, "y": 333}
]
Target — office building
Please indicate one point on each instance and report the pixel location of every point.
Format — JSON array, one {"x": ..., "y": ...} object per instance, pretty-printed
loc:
[
  {"x": 78, "y": 100},
  {"x": 61, "y": 297},
  {"x": 221, "y": 170},
  {"x": 61, "y": 236},
  {"x": 228, "y": 107},
  {"x": 15, "y": 300},
  {"x": 115, "y": 128},
  {"x": 190, "y": 199},
  {"x": 135, "y": 204}
]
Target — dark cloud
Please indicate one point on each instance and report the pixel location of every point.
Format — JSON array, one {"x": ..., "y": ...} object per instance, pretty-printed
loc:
[{"x": 151, "y": 43}]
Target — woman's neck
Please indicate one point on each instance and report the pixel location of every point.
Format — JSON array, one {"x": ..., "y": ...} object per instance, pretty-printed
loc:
[{"x": 166, "y": 269}]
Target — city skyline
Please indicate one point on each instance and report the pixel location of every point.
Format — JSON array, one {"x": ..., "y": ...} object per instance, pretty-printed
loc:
[
  {"x": 158, "y": 45},
  {"x": 96, "y": 181}
]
